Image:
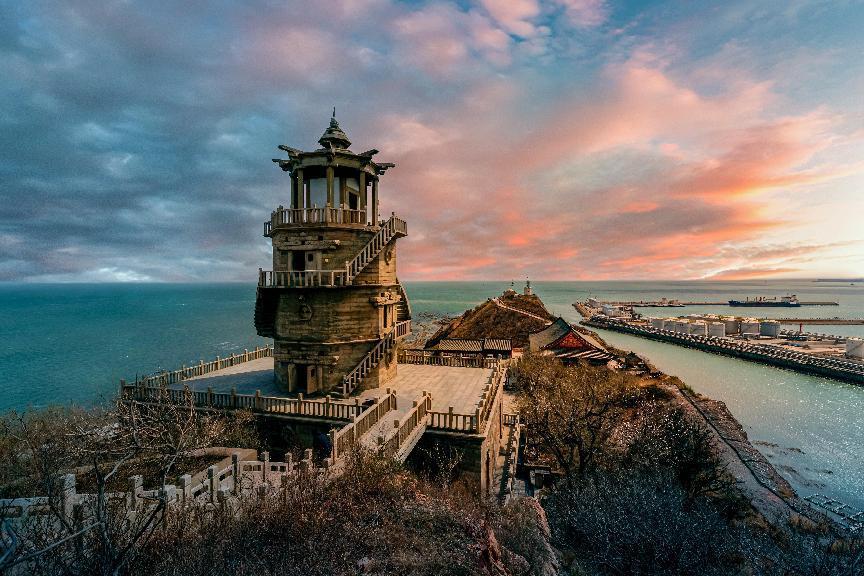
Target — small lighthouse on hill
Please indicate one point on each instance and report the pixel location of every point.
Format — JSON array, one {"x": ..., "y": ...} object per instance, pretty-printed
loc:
[{"x": 332, "y": 302}]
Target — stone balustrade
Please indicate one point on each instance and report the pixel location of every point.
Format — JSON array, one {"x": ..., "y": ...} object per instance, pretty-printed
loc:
[
  {"x": 411, "y": 427},
  {"x": 430, "y": 358},
  {"x": 232, "y": 476},
  {"x": 402, "y": 329},
  {"x": 302, "y": 279},
  {"x": 510, "y": 419},
  {"x": 492, "y": 392},
  {"x": 343, "y": 440},
  {"x": 314, "y": 216},
  {"x": 325, "y": 409},
  {"x": 176, "y": 376}
]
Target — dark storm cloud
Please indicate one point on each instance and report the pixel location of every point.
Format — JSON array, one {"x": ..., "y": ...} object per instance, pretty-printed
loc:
[{"x": 121, "y": 147}]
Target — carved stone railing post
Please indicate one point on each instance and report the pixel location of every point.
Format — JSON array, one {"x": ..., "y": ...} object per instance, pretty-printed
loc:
[
  {"x": 235, "y": 472},
  {"x": 186, "y": 486},
  {"x": 213, "y": 482},
  {"x": 67, "y": 496},
  {"x": 136, "y": 487}
]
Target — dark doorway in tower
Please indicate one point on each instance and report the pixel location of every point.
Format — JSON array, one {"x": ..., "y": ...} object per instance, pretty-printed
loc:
[
  {"x": 298, "y": 261},
  {"x": 353, "y": 201},
  {"x": 302, "y": 383}
]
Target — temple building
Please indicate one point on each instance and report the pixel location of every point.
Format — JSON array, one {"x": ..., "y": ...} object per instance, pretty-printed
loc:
[
  {"x": 332, "y": 302},
  {"x": 561, "y": 340}
]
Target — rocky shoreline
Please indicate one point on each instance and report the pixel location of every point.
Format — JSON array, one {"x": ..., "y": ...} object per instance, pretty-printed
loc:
[{"x": 730, "y": 431}]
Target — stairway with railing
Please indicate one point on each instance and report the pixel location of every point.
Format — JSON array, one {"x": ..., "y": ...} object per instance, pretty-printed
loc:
[
  {"x": 354, "y": 378},
  {"x": 395, "y": 227},
  {"x": 392, "y": 228},
  {"x": 403, "y": 308}
]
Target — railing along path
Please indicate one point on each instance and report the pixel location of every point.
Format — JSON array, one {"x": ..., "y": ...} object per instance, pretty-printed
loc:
[
  {"x": 435, "y": 359},
  {"x": 176, "y": 376},
  {"x": 325, "y": 408}
]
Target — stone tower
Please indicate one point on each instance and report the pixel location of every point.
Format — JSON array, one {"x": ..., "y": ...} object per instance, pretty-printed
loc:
[{"x": 332, "y": 303}]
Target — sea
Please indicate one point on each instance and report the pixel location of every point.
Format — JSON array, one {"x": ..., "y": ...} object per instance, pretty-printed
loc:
[{"x": 72, "y": 343}]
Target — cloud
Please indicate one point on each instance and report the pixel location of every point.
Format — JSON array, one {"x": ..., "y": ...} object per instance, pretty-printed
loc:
[
  {"x": 555, "y": 139},
  {"x": 585, "y": 13},
  {"x": 751, "y": 273},
  {"x": 514, "y": 16}
]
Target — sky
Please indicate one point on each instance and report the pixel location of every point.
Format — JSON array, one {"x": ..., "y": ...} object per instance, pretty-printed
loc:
[{"x": 556, "y": 139}]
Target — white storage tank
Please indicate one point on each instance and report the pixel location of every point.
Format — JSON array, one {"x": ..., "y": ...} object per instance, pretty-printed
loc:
[
  {"x": 717, "y": 329},
  {"x": 611, "y": 311},
  {"x": 769, "y": 328},
  {"x": 750, "y": 326},
  {"x": 855, "y": 348},
  {"x": 658, "y": 323},
  {"x": 698, "y": 328},
  {"x": 733, "y": 325}
]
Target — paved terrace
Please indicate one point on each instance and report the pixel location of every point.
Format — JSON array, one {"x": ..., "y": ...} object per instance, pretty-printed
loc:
[{"x": 459, "y": 388}]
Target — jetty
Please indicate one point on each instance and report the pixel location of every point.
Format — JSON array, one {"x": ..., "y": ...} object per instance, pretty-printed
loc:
[
  {"x": 753, "y": 350},
  {"x": 823, "y": 321},
  {"x": 664, "y": 303}
]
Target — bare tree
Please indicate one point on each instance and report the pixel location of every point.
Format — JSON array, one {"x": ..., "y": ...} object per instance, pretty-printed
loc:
[
  {"x": 665, "y": 436},
  {"x": 101, "y": 447},
  {"x": 572, "y": 410}
]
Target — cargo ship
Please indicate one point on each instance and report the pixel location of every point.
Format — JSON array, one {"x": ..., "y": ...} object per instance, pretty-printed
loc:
[{"x": 761, "y": 302}]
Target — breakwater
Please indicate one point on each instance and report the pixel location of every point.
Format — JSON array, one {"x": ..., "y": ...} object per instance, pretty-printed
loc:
[
  {"x": 679, "y": 304},
  {"x": 800, "y": 362},
  {"x": 825, "y": 321}
]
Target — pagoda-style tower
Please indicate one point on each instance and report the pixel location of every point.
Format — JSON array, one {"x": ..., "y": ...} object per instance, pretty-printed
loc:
[{"x": 332, "y": 302}]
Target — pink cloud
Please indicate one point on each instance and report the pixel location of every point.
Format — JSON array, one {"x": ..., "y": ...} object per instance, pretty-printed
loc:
[
  {"x": 751, "y": 273},
  {"x": 443, "y": 40},
  {"x": 481, "y": 197},
  {"x": 585, "y": 13},
  {"x": 514, "y": 15}
]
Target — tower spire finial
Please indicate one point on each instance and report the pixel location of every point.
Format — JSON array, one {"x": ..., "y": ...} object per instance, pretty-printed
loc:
[{"x": 334, "y": 112}]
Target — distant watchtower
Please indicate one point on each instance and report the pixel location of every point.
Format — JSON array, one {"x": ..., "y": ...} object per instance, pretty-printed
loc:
[{"x": 332, "y": 302}]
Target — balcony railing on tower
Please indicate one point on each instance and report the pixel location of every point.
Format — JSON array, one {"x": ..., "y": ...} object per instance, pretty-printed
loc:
[
  {"x": 310, "y": 216},
  {"x": 304, "y": 279}
]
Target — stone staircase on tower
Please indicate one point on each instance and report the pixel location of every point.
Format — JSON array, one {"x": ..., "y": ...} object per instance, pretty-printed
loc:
[
  {"x": 355, "y": 378},
  {"x": 392, "y": 228},
  {"x": 403, "y": 308}
]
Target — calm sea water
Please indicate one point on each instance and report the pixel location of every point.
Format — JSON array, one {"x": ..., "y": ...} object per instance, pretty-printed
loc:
[{"x": 72, "y": 343}]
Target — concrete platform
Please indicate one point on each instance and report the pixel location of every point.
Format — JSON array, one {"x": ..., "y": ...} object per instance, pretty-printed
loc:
[
  {"x": 246, "y": 378},
  {"x": 456, "y": 387}
]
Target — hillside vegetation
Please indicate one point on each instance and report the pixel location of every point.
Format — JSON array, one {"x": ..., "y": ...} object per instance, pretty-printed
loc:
[{"x": 489, "y": 320}]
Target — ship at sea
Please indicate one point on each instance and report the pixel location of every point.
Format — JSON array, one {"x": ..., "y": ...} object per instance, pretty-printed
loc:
[{"x": 761, "y": 302}]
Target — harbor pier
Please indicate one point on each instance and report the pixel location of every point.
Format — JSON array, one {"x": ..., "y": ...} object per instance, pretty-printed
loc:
[{"x": 753, "y": 350}]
